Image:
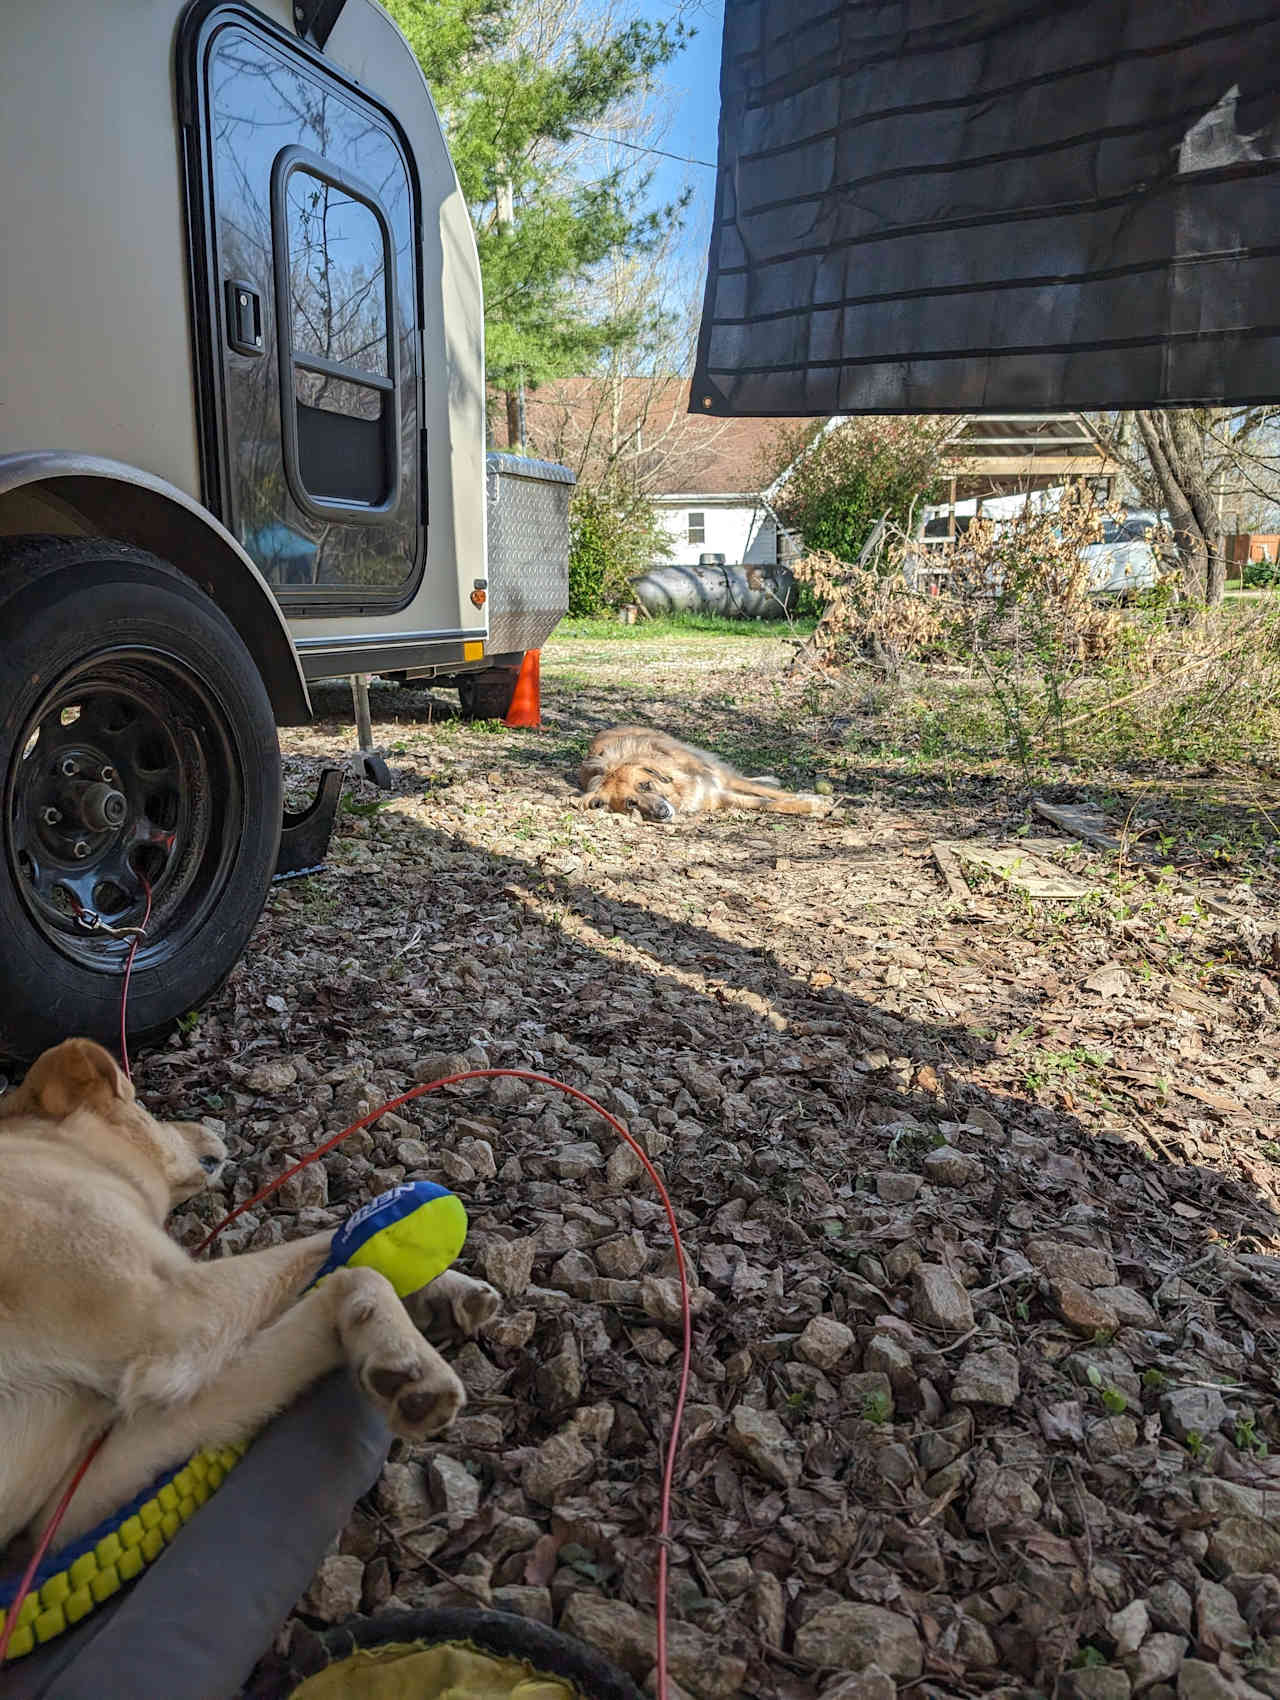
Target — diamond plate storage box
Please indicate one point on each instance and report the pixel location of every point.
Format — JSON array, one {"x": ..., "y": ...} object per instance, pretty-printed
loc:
[{"x": 528, "y": 551}]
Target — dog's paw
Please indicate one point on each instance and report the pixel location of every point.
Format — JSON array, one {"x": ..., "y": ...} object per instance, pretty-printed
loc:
[
  {"x": 454, "y": 1307},
  {"x": 401, "y": 1372},
  {"x": 419, "y": 1399}
]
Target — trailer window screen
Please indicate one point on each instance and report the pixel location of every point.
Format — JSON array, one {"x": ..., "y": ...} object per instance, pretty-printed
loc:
[{"x": 339, "y": 408}]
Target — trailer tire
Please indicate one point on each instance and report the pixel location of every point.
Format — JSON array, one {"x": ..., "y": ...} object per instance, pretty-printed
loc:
[
  {"x": 487, "y": 695},
  {"x": 139, "y": 765}
]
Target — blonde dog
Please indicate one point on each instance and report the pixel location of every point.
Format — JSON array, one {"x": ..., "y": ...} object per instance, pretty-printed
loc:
[
  {"x": 104, "y": 1320},
  {"x": 657, "y": 777}
]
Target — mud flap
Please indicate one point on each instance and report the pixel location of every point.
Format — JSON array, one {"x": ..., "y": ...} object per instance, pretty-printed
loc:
[{"x": 305, "y": 835}]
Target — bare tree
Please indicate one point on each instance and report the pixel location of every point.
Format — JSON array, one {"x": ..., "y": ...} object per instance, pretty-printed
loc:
[{"x": 1200, "y": 465}]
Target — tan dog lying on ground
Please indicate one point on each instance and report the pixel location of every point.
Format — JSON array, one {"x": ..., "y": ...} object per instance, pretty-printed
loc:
[
  {"x": 631, "y": 767},
  {"x": 103, "y": 1318}
]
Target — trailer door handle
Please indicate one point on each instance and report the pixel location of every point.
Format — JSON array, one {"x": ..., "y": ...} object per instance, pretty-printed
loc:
[{"x": 244, "y": 317}]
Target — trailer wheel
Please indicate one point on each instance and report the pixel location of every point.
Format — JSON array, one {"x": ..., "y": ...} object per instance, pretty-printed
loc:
[
  {"x": 487, "y": 695},
  {"x": 138, "y": 756}
]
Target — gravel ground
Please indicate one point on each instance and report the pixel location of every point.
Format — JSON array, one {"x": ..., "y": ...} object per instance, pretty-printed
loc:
[{"x": 980, "y": 1197}]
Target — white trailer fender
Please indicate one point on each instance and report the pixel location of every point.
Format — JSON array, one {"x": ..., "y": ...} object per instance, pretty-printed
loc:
[{"x": 111, "y": 499}]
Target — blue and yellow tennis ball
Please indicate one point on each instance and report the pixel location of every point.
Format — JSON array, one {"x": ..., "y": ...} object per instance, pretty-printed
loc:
[{"x": 410, "y": 1234}]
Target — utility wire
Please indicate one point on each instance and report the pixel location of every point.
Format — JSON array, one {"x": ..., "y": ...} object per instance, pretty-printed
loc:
[{"x": 638, "y": 147}]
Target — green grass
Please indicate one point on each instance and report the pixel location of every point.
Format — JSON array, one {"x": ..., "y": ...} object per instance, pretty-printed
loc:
[{"x": 676, "y": 625}]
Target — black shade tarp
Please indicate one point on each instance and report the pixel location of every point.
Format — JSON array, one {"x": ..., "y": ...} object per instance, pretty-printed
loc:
[{"x": 930, "y": 206}]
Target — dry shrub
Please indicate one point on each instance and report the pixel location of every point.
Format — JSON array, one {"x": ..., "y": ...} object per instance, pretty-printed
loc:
[{"x": 867, "y": 616}]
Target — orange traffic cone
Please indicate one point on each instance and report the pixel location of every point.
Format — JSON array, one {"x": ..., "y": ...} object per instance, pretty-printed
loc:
[{"x": 526, "y": 699}]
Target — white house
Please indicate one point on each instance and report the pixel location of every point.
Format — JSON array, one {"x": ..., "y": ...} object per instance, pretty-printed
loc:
[{"x": 708, "y": 478}]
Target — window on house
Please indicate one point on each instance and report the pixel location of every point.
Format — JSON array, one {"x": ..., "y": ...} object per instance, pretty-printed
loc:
[
  {"x": 697, "y": 528},
  {"x": 782, "y": 550}
]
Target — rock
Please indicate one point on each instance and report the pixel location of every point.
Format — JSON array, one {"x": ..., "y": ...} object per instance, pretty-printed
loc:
[
  {"x": 1082, "y": 1309},
  {"x": 413, "y": 1154},
  {"x": 1132, "y": 1310},
  {"x": 402, "y": 1495},
  {"x": 275, "y": 1075},
  {"x": 1129, "y": 1628},
  {"x": 559, "y": 1379},
  {"x": 1093, "y": 1682},
  {"x": 770, "y": 1605},
  {"x": 1109, "y": 1435},
  {"x": 941, "y": 1446},
  {"x": 870, "y": 1684},
  {"x": 1157, "y": 1660},
  {"x": 513, "y": 1330},
  {"x": 623, "y": 1169},
  {"x": 1170, "y": 1606},
  {"x": 987, "y": 1378},
  {"x": 627, "y": 1636},
  {"x": 572, "y": 1162},
  {"x": 479, "y": 1153},
  {"x": 732, "y": 1576},
  {"x": 622, "y": 1259},
  {"x": 560, "y": 1465},
  {"x": 975, "y": 1646},
  {"x": 897, "y": 1186},
  {"x": 1000, "y": 1497},
  {"x": 1112, "y": 980},
  {"x": 1220, "y": 1628},
  {"x": 939, "y": 1301},
  {"x": 949, "y": 1167},
  {"x": 1221, "y": 1498},
  {"x": 524, "y": 1602},
  {"x": 306, "y": 1190},
  {"x": 852, "y": 1637},
  {"x": 1063, "y": 1260},
  {"x": 888, "y": 1358},
  {"x": 334, "y": 1591},
  {"x": 1062, "y": 1424},
  {"x": 455, "y": 1168},
  {"x": 455, "y": 1490},
  {"x": 1192, "y": 1410},
  {"x": 699, "y": 1665},
  {"x": 760, "y": 1438},
  {"x": 824, "y": 1341},
  {"x": 1200, "y": 1681},
  {"x": 1245, "y": 1546}
]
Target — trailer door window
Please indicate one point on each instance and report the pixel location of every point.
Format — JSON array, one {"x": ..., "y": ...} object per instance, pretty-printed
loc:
[
  {"x": 313, "y": 440},
  {"x": 337, "y": 380}
]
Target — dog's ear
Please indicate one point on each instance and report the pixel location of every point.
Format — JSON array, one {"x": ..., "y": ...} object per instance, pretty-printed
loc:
[
  {"x": 72, "y": 1075},
  {"x": 591, "y": 774}
]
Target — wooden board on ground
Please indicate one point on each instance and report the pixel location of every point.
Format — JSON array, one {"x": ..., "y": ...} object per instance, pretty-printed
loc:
[
  {"x": 1027, "y": 872},
  {"x": 1087, "y": 824}
]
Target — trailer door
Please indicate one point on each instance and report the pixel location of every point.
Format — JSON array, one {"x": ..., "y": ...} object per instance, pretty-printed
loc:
[{"x": 307, "y": 290}]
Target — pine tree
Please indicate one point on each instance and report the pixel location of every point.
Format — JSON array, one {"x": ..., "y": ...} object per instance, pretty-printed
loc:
[{"x": 513, "y": 112}]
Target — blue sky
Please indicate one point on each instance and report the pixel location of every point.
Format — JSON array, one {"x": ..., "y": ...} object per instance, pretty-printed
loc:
[{"x": 691, "y": 86}]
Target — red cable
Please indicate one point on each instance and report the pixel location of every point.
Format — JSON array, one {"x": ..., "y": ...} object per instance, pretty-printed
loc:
[
  {"x": 46, "y": 1540},
  {"x": 124, "y": 995},
  {"x": 673, "y": 1442}
]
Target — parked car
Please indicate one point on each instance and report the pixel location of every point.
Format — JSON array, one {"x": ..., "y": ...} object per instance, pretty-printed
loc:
[{"x": 1132, "y": 556}]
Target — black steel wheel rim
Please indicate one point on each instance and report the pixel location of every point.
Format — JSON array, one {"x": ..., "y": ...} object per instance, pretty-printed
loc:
[{"x": 125, "y": 777}]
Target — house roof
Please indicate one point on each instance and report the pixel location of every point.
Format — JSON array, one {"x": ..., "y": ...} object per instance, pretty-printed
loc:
[{"x": 581, "y": 421}]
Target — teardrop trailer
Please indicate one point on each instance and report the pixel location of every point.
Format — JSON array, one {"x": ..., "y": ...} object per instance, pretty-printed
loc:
[{"x": 242, "y": 448}]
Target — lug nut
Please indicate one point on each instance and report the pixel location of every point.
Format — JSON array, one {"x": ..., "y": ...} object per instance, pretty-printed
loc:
[
  {"x": 79, "y": 849},
  {"x": 51, "y": 816},
  {"x": 68, "y": 767},
  {"x": 108, "y": 776}
]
